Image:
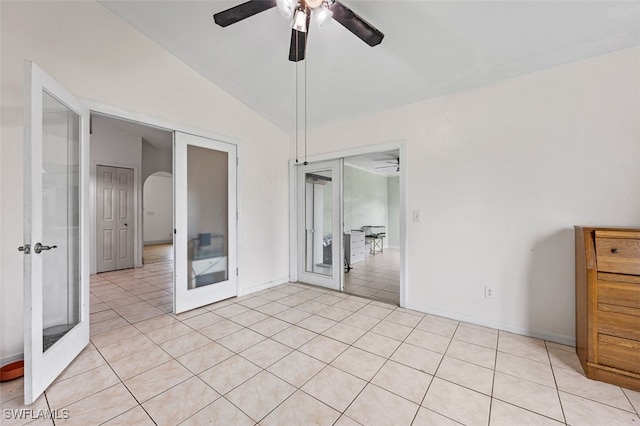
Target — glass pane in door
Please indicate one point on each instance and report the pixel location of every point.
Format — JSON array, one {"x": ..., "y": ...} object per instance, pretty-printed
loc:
[
  {"x": 318, "y": 202},
  {"x": 60, "y": 243},
  {"x": 207, "y": 216}
]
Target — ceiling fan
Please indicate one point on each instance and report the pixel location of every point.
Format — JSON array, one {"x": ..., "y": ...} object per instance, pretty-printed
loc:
[
  {"x": 301, "y": 11},
  {"x": 395, "y": 164}
]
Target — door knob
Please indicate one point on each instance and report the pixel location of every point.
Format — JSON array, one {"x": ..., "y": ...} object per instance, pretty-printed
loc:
[
  {"x": 39, "y": 247},
  {"x": 126, "y": 224},
  {"x": 25, "y": 248}
]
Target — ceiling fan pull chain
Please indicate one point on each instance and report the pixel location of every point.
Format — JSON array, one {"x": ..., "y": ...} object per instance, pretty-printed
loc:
[
  {"x": 305, "y": 103},
  {"x": 296, "y": 115}
]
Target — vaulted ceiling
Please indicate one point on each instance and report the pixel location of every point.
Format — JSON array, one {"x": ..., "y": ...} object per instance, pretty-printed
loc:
[{"x": 431, "y": 48}]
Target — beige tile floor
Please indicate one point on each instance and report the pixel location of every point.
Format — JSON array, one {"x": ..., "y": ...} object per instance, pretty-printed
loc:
[
  {"x": 300, "y": 355},
  {"x": 377, "y": 277}
]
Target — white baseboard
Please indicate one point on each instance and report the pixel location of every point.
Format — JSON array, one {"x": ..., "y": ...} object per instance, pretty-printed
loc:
[
  {"x": 564, "y": 340},
  {"x": 9, "y": 359},
  {"x": 153, "y": 243},
  {"x": 263, "y": 286}
]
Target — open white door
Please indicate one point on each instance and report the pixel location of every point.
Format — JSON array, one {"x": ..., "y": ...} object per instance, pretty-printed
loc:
[
  {"x": 320, "y": 241},
  {"x": 205, "y": 221},
  {"x": 56, "y": 233}
]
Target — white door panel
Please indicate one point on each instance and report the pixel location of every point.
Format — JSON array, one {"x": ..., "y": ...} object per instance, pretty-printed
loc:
[
  {"x": 205, "y": 221},
  {"x": 56, "y": 237},
  {"x": 320, "y": 224},
  {"x": 106, "y": 220},
  {"x": 125, "y": 218}
]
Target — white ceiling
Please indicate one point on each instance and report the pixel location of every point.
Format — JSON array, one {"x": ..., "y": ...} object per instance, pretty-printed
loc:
[{"x": 430, "y": 48}]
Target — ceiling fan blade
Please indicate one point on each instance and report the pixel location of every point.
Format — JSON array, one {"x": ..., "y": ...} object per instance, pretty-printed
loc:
[
  {"x": 354, "y": 23},
  {"x": 298, "y": 46},
  {"x": 242, "y": 11}
]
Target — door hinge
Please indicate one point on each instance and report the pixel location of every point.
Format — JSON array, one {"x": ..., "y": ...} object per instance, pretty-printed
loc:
[
  {"x": 236, "y": 216},
  {"x": 174, "y": 231},
  {"x": 236, "y": 272},
  {"x": 237, "y": 161}
]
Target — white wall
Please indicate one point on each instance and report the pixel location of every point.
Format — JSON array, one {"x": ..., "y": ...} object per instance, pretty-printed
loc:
[
  {"x": 365, "y": 198},
  {"x": 99, "y": 57},
  {"x": 155, "y": 160},
  {"x": 502, "y": 173},
  {"x": 158, "y": 209}
]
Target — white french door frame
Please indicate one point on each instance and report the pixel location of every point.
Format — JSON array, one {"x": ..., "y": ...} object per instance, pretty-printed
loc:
[
  {"x": 399, "y": 145},
  {"x": 184, "y": 297},
  {"x": 334, "y": 281},
  {"x": 172, "y": 126},
  {"x": 42, "y": 368}
]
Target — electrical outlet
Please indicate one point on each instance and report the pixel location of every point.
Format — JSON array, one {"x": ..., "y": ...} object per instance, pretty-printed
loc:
[{"x": 488, "y": 292}]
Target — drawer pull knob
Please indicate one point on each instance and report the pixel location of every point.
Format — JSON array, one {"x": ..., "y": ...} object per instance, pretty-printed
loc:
[{"x": 614, "y": 250}]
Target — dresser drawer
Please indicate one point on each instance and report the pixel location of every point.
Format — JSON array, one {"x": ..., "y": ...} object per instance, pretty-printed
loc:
[
  {"x": 619, "y": 353},
  {"x": 619, "y": 255},
  {"x": 357, "y": 240},
  {"x": 620, "y": 324},
  {"x": 619, "y": 290},
  {"x": 357, "y": 255}
]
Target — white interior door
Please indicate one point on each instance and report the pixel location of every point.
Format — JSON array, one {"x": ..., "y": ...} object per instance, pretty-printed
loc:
[
  {"x": 205, "y": 221},
  {"x": 56, "y": 237},
  {"x": 124, "y": 218},
  {"x": 115, "y": 222},
  {"x": 320, "y": 241}
]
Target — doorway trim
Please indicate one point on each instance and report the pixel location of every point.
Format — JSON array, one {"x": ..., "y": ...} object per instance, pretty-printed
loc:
[{"x": 399, "y": 145}]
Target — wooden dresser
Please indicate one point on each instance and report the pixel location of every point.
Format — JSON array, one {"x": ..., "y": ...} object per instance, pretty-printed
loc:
[{"x": 608, "y": 304}]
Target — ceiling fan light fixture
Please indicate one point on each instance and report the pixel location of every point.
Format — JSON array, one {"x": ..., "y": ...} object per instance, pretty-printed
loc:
[
  {"x": 313, "y": 3},
  {"x": 323, "y": 15},
  {"x": 286, "y": 7},
  {"x": 300, "y": 20}
]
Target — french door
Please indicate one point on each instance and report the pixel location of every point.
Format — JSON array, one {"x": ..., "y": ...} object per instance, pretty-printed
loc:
[
  {"x": 320, "y": 248},
  {"x": 56, "y": 233},
  {"x": 205, "y": 221}
]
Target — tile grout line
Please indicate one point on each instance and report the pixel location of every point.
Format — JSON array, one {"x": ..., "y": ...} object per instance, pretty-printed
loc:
[
  {"x": 122, "y": 381},
  {"x": 434, "y": 376},
  {"x": 555, "y": 381},
  {"x": 493, "y": 376}
]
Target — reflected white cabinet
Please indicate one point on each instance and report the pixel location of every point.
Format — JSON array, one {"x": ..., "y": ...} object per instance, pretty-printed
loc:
[{"x": 354, "y": 247}]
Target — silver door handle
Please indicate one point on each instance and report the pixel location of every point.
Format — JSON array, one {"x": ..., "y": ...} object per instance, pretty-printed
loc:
[
  {"x": 25, "y": 248},
  {"x": 39, "y": 247}
]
